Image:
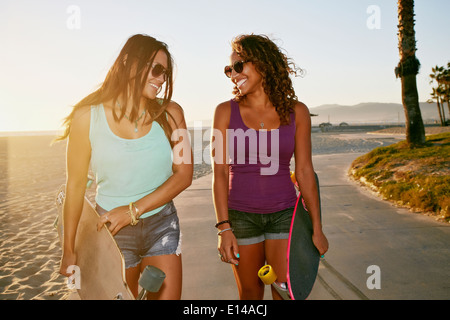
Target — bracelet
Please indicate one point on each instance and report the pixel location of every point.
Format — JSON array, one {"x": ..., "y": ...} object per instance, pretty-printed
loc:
[
  {"x": 134, "y": 220},
  {"x": 222, "y": 231},
  {"x": 136, "y": 211},
  {"x": 222, "y": 222}
]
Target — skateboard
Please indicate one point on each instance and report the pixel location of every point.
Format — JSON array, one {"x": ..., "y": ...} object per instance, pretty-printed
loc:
[
  {"x": 302, "y": 256},
  {"x": 100, "y": 262}
]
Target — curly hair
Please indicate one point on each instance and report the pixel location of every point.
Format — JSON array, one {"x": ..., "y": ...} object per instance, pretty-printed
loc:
[{"x": 275, "y": 68}]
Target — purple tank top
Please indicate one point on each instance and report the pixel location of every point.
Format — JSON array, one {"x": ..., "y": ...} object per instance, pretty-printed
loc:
[{"x": 259, "y": 173}]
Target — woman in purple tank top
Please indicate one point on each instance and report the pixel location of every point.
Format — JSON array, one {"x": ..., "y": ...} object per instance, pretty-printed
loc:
[{"x": 262, "y": 128}]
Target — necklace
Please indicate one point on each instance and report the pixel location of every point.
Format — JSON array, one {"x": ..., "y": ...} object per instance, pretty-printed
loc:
[
  {"x": 136, "y": 121},
  {"x": 262, "y": 125}
]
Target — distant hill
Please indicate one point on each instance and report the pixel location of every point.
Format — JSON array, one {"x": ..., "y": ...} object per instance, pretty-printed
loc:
[
  {"x": 362, "y": 113},
  {"x": 370, "y": 112}
]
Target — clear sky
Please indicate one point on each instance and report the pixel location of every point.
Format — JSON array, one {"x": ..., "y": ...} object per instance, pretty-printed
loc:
[{"x": 53, "y": 53}]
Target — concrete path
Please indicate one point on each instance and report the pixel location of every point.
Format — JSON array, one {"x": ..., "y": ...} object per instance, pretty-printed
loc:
[{"x": 372, "y": 243}]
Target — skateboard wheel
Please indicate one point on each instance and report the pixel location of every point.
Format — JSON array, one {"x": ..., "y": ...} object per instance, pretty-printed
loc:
[
  {"x": 152, "y": 279},
  {"x": 293, "y": 179},
  {"x": 267, "y": 275}
]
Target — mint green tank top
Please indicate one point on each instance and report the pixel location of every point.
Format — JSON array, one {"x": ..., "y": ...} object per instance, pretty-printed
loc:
[{"x": 127, "y": 169}]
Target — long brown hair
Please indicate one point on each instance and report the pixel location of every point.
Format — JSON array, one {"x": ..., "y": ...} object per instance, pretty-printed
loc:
[
  {"x": 129, "y": 73},
  {"x": 274, "y": 67}
]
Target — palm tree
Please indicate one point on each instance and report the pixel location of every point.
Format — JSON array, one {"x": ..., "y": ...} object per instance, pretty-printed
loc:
[
  {"x": 436, "y": 96},
  {"x": 440, "y": 92},
  {"x": 445, "y": 80},
  {"x": 407, "y": 70}
]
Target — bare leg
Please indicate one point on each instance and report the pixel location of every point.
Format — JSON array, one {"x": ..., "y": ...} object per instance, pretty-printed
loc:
[
  {"x": 132, "y": 276},
  {"x": 171, "y": 265},
  {"x": 275, "y": 251},
  {"x": 246, "y": 273}
]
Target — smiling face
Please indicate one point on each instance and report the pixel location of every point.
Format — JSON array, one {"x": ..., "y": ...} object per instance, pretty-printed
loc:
[
  {"x": 154, "y": 83},
  {"x": 249, "y": 79}
]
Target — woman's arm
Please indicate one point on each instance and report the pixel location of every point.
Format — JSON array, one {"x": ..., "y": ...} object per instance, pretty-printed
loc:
[
  {"x": 304, "y": 173},
  {"x": 78, "y": 156},
  {"x": 182, "y": 170},
  {"x": 220, "y": 165},
  {"x": 227, "y": 246}
]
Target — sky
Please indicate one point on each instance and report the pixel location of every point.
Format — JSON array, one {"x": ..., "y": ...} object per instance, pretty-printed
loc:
[{"x": 54, "y": 53}]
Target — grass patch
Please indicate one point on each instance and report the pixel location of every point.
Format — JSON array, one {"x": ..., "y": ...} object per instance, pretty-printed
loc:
[{"x": 417, "y": 178}]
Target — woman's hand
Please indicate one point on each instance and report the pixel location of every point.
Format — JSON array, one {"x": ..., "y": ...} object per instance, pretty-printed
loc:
[
  {"x": 117, "y": 219},
  {"x": 67, "y": 260},
  {"x": 320, "y": 241},
  {"x": 228, "y": 247}
]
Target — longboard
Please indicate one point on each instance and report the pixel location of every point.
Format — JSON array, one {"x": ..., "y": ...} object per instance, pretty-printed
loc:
[
  {"x": 302, "y": 256},
  {"x": 99, "y": 259}
]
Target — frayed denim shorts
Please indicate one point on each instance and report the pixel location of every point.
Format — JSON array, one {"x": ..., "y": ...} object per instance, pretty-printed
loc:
[
  {"x": 156, "y": 235},
  {"x": 252, "y": 228}
]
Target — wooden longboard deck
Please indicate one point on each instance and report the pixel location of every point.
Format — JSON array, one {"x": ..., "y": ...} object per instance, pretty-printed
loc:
[
  {"x": 302, "y": 255},
  {"x": 101, "y": 263}
]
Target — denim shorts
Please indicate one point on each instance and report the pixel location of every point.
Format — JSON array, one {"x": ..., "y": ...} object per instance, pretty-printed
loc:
[
  {"x": 156, "y": 235},
  {"x": 251, "y": 228}
]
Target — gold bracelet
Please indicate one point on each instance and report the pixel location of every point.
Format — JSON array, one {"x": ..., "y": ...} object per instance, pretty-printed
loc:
[
  {"x": 136, "y": 211},
  {"x": 134, "y": 220}
]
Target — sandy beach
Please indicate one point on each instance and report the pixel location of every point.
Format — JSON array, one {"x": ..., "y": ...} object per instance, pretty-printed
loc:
[
  {"x": 31, "y": 171},
  {"x": 29, "y": 247}
]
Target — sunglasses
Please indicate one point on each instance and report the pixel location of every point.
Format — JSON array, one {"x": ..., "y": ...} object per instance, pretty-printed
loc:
[
  {"x": 158, "y": 69},
  {"x": 238, "y": 66}
]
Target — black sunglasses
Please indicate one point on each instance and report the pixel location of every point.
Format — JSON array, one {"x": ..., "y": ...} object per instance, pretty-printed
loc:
[
  {"x": 158, "y": 70},
  {"x": 238, "y": 66}
]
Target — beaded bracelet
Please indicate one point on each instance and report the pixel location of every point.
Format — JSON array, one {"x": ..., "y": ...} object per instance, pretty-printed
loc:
[{"x": 222, "y": 222}]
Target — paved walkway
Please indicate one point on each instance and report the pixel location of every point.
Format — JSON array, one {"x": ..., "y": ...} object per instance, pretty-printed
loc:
[{"x": 371, "y": 242}]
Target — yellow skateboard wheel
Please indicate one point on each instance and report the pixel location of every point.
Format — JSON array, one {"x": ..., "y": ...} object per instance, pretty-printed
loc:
[
  {"x": 293, "y": 178},
  {"x": 267, "y": 275}
]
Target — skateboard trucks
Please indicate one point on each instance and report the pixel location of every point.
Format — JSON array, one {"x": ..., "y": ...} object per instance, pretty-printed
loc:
[
  {"x": 151, "y": 281},
  {"x": 269, "y": 277}
]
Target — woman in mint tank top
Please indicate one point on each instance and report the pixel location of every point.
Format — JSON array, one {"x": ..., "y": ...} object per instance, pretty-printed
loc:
[
  {"x": 123, "y": 131},
  {"x": 254, "y": 197}
]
